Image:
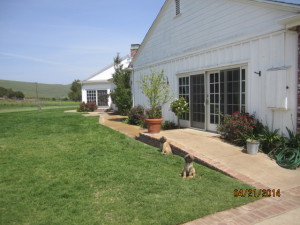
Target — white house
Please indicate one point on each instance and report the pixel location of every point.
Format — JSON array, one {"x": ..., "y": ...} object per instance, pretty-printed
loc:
[
  {"x": 225, "y": 56},
  {"x": 99, "y": 86}
]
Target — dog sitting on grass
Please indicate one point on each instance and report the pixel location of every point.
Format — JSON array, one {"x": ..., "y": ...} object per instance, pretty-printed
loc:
[
  {"x": 188, "y": 170},
  {"x": 165, "y": 146}
]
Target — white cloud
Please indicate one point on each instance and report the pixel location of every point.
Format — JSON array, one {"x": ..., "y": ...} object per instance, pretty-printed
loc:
[{"x": 33, "y": 59}]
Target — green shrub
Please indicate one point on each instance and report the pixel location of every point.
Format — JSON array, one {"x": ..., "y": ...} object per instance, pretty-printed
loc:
[
  {"x": 87, "y": 107},
  {"x": 269, "y": 139},
  {"x": 154, "y": 113},
  {"x": 168, "y": 125},
  {"x": 121, "y": 96},
  {"x": 136, "y": 115},
  {"x": 179, "y": 107},
  {"x": 293, "y": 140}
]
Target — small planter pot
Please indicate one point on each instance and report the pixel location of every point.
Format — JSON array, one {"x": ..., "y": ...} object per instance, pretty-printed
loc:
[
  {"x": 153, "y": 125},
  {"x": 252, "y": 147}
]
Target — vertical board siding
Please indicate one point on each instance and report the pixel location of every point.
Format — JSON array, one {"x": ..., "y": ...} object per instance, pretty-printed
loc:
[{"x": 260, "y": 54}]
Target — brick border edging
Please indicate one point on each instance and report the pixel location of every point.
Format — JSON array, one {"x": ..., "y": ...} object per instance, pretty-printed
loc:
[
  {"x": 254, "y": 212},
  {"x": 210, "y": 163}
]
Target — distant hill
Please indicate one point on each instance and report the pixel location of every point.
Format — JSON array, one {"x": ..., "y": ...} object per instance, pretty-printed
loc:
[{"x": 44, "y": 90}]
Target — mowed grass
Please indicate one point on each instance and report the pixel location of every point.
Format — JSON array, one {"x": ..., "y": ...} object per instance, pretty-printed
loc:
[
  {"x": 29, "y": 105},
  {"x": 63, "y": 168}
]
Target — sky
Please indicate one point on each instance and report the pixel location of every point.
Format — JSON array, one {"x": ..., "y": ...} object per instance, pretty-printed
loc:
[{"x": 58, "y": 41}]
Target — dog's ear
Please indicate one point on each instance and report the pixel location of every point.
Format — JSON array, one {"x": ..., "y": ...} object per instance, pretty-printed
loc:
[
  {"x": 162, "y": 139},
  {"x": 189, "y": 158}
]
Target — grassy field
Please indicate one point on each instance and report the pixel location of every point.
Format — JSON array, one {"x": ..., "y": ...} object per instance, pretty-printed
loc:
[
  {"x": 44, "y": 90},
  {"x": 63, "y": 168},
  {"x": 28, "y": 105}
]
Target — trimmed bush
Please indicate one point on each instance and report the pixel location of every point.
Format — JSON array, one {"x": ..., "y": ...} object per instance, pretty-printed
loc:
[
  {"x": 87, "y": 107},
  {"x": 179, "y": 107},
  {"x": 136, "y": 115}
]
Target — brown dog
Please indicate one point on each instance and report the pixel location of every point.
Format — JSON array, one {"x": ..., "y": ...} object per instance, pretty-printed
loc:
[
  {"x": 188, "y": 170},
  {"x": 165, "y": 146}
]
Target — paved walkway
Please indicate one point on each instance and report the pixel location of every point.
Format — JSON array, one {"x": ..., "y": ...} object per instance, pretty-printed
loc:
[{"x": 257, "y": 170}]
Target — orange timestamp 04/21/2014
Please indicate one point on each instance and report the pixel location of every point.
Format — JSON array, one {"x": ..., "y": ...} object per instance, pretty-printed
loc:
[{"x": 256, "y": 193}]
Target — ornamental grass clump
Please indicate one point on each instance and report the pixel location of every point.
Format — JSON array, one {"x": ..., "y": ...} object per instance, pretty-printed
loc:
[
  {"x": 238, "y": 127},
  {"x": 179, "y": 107}
]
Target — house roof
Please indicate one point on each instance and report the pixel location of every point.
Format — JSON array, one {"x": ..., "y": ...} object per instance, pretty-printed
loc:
[
  {"x": 104, "y": 75},
  {"x": 293, "y": 5}
]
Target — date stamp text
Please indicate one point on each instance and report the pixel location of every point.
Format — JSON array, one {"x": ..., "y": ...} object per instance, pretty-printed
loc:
[{"x": 256, "y": 193}]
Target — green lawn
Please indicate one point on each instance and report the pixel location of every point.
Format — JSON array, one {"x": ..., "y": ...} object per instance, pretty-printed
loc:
[
  {"x": 63, "y": 168},
  {"x": 29, "y": 105}
]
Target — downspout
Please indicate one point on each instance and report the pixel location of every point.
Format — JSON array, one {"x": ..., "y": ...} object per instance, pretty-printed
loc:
[{"x": 298, "y": 83}]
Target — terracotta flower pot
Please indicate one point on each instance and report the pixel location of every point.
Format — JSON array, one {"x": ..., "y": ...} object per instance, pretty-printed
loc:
[{"x": 154, "y": 125}]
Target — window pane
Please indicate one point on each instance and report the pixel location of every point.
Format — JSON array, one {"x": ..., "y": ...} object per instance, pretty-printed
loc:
[
  {"x": 216, "y": 119},
  {"x": 212, "y": 117},
  {"x": 212, "y": 88}
]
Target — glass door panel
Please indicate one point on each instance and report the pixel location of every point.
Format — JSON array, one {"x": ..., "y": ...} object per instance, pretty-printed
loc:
[
  {"x": 197, "y": 84},
  {"x": 102, "y": 98},
  {"x": 214, "y": 101}
]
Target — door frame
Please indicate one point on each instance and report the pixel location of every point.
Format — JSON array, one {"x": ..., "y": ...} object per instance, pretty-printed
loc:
[
  {"x": 98, "y": 100},
  {"x": 206, "y": 73}
]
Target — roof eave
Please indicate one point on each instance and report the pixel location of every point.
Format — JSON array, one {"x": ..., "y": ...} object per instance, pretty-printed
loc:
[
  {"x": 285, "y": 6},
  {"x": 291, "y": 22}
]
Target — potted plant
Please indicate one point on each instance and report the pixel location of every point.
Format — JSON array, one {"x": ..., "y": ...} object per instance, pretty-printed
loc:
[
  {"x": 156, "y": 88},
  {"x": 179, "y": 107},
  {"x": 252, "y": 144}
]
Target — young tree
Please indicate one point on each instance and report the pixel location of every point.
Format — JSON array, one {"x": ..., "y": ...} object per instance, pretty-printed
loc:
[
  {"x": 75, "y": 93},
  {"x": 121, "y": 95}
]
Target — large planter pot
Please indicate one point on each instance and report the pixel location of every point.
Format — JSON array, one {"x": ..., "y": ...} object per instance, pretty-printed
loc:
[
  {"x": 252, "y": 147},
  {"x": 154, "y": 125}
]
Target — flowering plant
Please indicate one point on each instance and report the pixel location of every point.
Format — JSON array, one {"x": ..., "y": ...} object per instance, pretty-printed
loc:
[
  {"x": 179, "y": 107},
  {"x": 238, "y": 127}
]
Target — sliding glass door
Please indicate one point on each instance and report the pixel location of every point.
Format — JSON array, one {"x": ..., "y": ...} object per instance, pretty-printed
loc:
[{"x": 216, "y": 94}]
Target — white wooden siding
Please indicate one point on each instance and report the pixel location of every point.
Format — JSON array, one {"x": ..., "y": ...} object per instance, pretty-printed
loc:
[
  {"x": 262, "y": 53},
  {"x": 203, "y": 24}
]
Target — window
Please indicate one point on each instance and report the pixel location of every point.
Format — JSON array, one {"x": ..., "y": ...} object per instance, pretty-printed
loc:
[
  {"x": 177, "y": 4},
  {"x": 91, "y": 95},
  {"x": 184, "y": 91},
  {"x": 232, "y": 90}
]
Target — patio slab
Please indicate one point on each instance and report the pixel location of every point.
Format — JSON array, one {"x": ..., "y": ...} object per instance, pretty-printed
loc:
[{"x": 258, "y": 167}]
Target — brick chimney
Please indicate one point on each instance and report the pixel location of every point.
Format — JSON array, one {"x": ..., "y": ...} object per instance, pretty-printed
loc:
[{"x": 134, "y": 48}]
